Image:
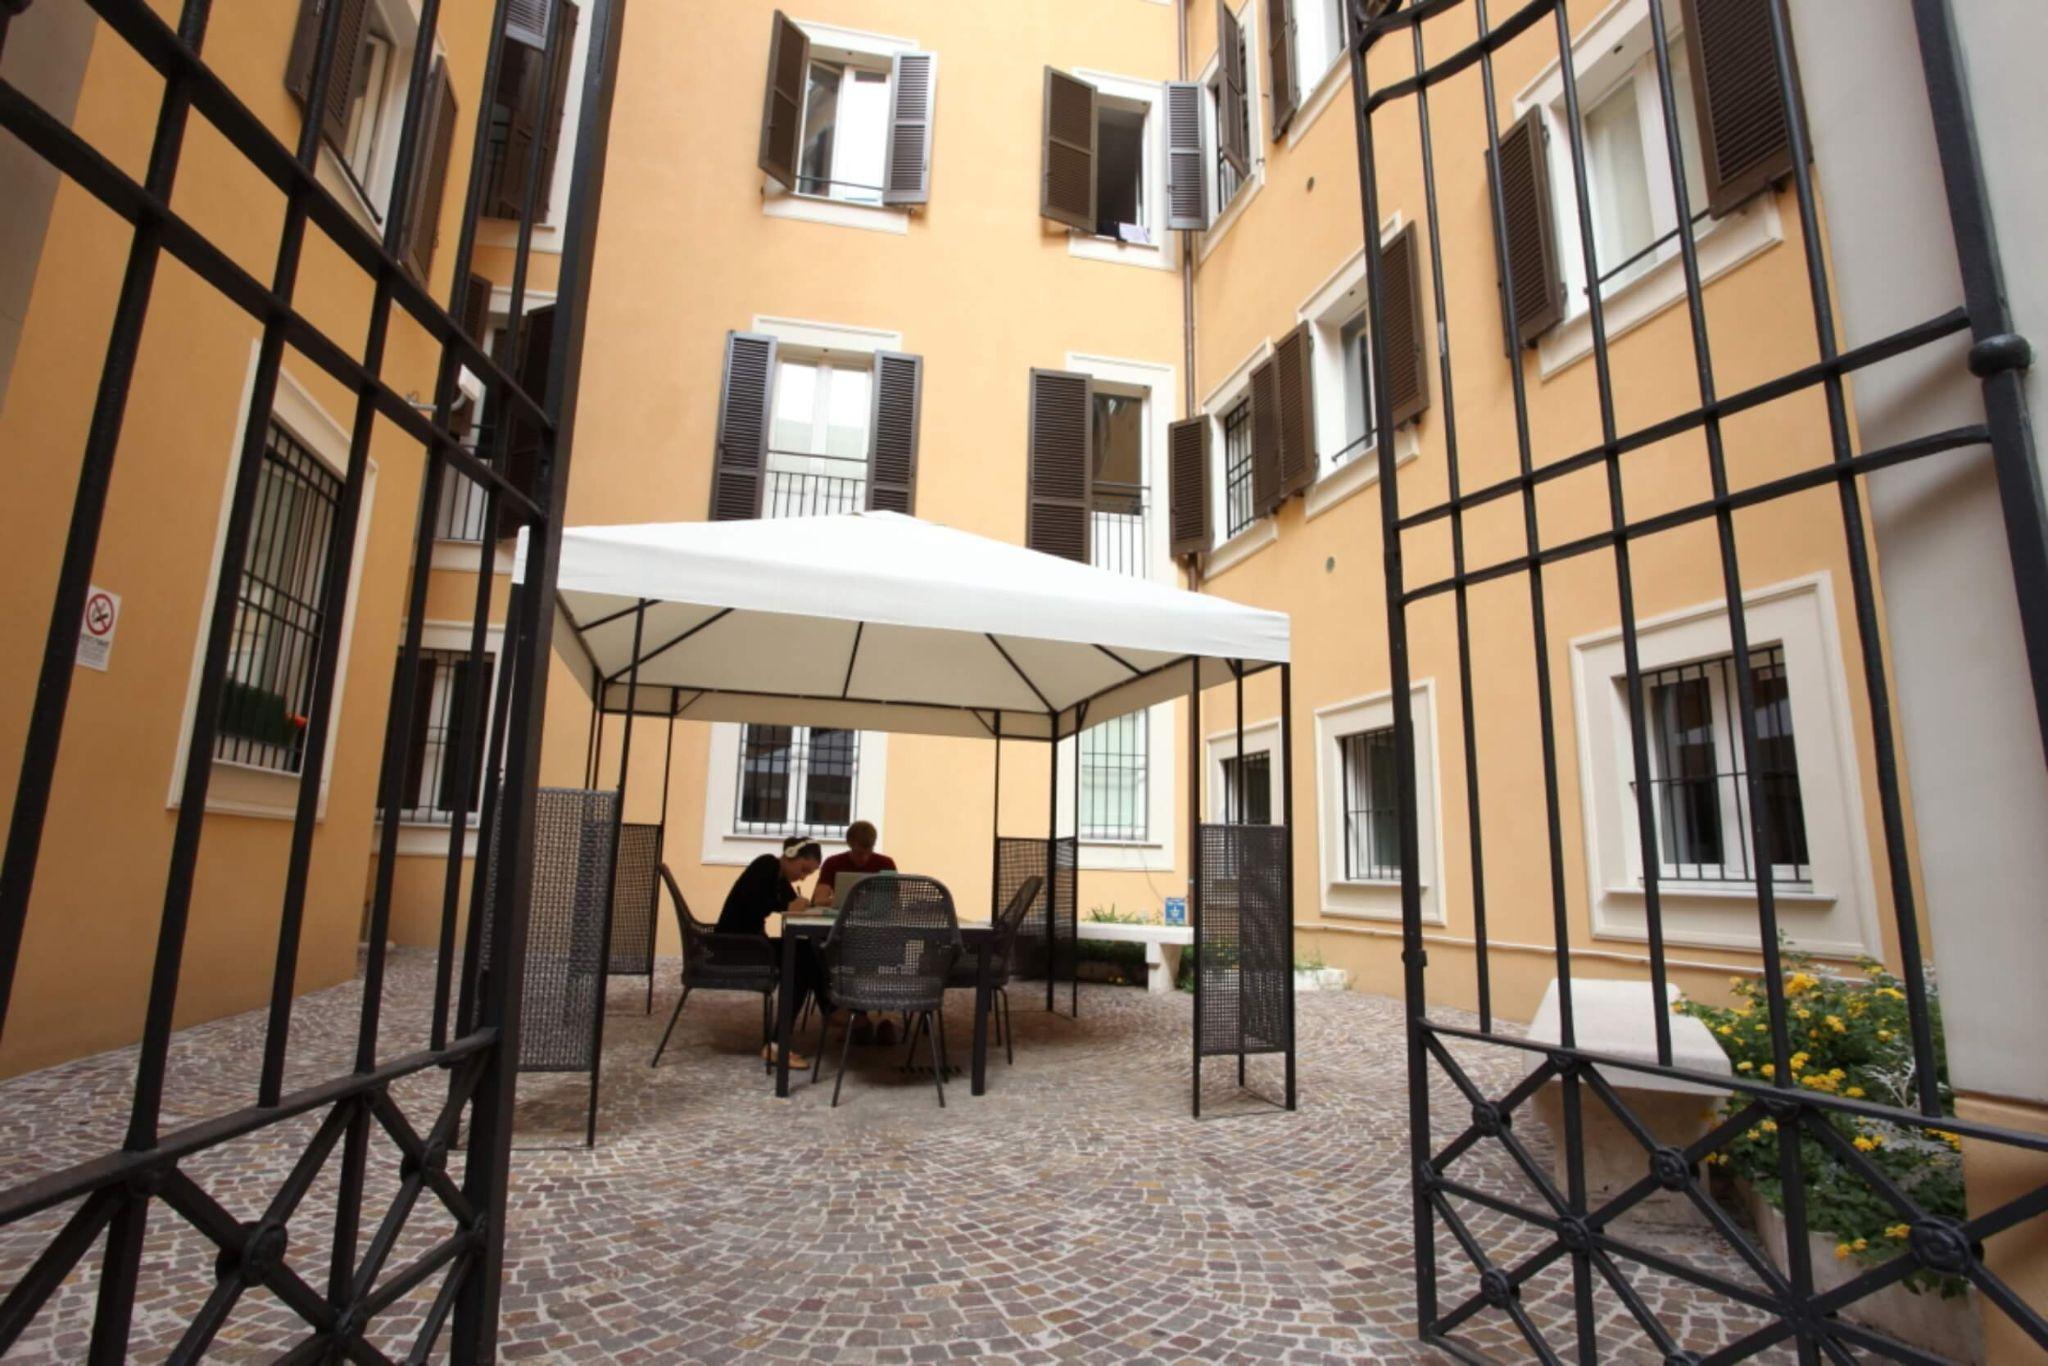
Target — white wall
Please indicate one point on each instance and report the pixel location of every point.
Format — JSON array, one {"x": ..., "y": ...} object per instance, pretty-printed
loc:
[{"x": 1973, "y": 746}]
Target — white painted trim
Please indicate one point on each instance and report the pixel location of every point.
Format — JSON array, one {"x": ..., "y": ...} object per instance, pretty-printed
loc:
[
  {"x": 467, "y": 557},
  {"x": 1164, "y": 254},
  {"x": 828, "y": 336},
  {"x": 1222, "y": 217},
  {"x": 777, "y": 202},
  {"x": 1837, "y": 914},
  {"x": 1376, "y": 900},
  {"x": 1337, "y": 78},
  {"x": 1256, "y": 536},
  {"x": 1358, "y": 473},
  {"x": 836, "y": 39},
  {"x": 244, "y": 790},
  {"x": 1337, "y": 300},
  {"x": 725, "y": 846}
]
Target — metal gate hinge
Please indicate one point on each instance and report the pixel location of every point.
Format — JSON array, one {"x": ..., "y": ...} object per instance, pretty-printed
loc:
[{"x": 1997, "y": 354}]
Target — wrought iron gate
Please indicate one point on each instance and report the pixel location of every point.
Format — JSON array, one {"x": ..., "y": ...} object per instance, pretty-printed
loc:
[
  {"x": 336, "y": 1285},
  {"x": 1402, "y": 58}
]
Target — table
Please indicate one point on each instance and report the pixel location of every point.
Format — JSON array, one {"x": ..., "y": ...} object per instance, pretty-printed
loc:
[{"x": 977, "y": 939}]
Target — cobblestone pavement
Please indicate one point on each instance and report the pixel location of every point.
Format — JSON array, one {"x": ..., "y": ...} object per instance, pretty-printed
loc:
[{"x": 1073, "y": 1213}]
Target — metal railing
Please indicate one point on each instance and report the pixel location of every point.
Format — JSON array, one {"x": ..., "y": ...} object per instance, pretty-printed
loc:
[
  {"x": 1117, "y": 539},
  {"x": 810, "y": 485}
]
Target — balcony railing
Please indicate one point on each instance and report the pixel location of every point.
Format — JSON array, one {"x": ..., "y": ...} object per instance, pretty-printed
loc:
[
  {"x": 1117, "y": 531},
  {"x": 804, "y": 485}
]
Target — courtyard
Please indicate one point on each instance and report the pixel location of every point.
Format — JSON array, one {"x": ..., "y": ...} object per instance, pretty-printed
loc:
[{"x": 1075, "y": 1212}]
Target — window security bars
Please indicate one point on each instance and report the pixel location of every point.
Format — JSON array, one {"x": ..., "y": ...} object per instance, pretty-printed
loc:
[
  {"x": 1248, "y": 789},
  {"x": 1117, "y": 537},
  {"x": 437, "y": 748},
  {"x": 796, "y": 780},
  {"x": 1701, "y": 789},
  {"x": 1237, "y": 468},
  {"x": 1572, "y": 1294},
  {"x": 1115, "y": 769},
  {"x": 805, "y": 485},
  {"x": 428, "y": 1101},
  {"x": 279, "y": 622},
  {"x": 1372, "y": 846}
]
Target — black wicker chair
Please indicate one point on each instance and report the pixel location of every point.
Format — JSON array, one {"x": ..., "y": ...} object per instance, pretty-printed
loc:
[
  {"x": 890, "y": 951},
  {"x": 720, "y": 962},
  {"x": 1000, "y": 956}
]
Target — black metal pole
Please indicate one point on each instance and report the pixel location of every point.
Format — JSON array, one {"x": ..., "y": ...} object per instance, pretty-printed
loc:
[
  {"x": 1287, "y": 847},
  {"x": 1052, "y": 852},
  {"x": 668, "y": 759},
  {"x": 995, "y": 824},
  {"x": 1074, "y": 966},
  {"x": 1237, "y": 697},
  {"x": 1195, "y": 860},
  {"x": 611, "y": 882}
]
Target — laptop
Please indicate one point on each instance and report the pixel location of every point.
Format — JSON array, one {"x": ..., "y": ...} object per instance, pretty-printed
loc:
[{"x": 842, "y": 888}]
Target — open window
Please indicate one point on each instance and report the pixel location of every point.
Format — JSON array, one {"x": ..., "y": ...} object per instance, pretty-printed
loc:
[
  {"x": 1104, "y": 163},
  {"x": 527, "y": 107},
  {"x": 847, "y": 116}
]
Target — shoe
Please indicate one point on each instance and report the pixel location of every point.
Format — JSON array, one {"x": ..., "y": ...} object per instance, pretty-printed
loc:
[
  {"x": 864, "y": 1030},
  {"x": 885, "y": 1033},
  {"x": 797, "y": 1061}
]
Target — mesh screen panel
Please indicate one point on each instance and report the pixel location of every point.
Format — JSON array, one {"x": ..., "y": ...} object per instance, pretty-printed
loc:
[
  {"x": 1244, "y": 954},
  {"x": 633, "y": 900},
  {"x": 565, "y": 928},
  {"x": 1016, "y": 860}
]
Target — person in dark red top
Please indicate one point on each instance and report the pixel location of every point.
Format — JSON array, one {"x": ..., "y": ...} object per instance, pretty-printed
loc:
[{"x": 860, "y": 857}]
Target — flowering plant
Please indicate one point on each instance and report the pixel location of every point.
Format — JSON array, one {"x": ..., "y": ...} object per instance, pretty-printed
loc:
[{"x": 1851, "y": 1036}]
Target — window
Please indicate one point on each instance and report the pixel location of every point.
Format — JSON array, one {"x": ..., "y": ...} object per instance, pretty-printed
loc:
[
  {"x": 1357, "y": 390},
  {"x": 432, "y": 770},
  {"x": 366, "y": 108},
  {"x": 1120, "y": 171},
  {"x": 1117, "y": 538},
  {"x": 845, "y": 128},
  {"x": 1228, "y": 180},
  {"x": 1697, "y": 778},
  {"x": 279, "y": 625},
  {"x": 1372, "y": 830},
  {"x": 818, "y": 437},
  {"x": 1318, "y": 42},
  {"x": 1628, "y": 170},
  {"x": 1237, "y": 468},
  {"x": 1247, "y": 796},
  {"x": 1115, "y": 767},
  {"x": 796, "y": 780}
]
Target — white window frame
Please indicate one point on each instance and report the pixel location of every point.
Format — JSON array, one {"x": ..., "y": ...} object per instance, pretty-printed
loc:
[
  {"x": 1344, "y": 898},
  {"x": 1327, "y": 310},
  {"x": 1606, "y": 52},
  {"x": 1318, "y": 87},
  {"x": 241, "y": 789},
  {"x": 547, "y": 234},
  {"x": 1230, "y": 551},
  {"x": 1260, "y": 737},
  {"x": 833, "y": 43},
  {"x": 813, "y": 462},
  {"x": 727, "y": 846},
  {"x": 1223, "y": 214},
  {"x": 1836, "y": 914},
  {"x": 370, "y": 199},
  {"x": 1163, "y": 252},
  {"x": 430, "y": 838}
]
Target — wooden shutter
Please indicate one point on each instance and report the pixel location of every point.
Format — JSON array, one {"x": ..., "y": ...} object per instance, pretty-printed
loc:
[
  {"x": 1187, "y": 489},
  {"x": 1060, "y": 463},
  {"x": 892, "y": 434},
  {"x": 1407, "y": 348},
  {"x": 1280, "y": 59},
  {"x": 429, "y": 174},
  {"x": 566, "y": 17},
  {"x": 534, "y": 347},
  {"x": 1267, "y": 494},
  {"x": 348, "y": 48},
  {"x": 416, "y": 735},
  {"x": 1745, "y": 130},
  {"x": 1187, "y": 160},
  {"x": 476, "y": 311},
  {"x": 527, "y": 21},
  {"x": 907, "y": 156},
  {"x": 739, "y": 464},
  {"x": 461, "y": 671},
  {"x": 1294, "y": 392},
  {"x": 1230, "y": 111},
  {"x": 1067, "y": 191},
  {"x": 515, "y": 113},
  {"x": 1528, "y": 252},
  {"x": 782, "y": 111}
]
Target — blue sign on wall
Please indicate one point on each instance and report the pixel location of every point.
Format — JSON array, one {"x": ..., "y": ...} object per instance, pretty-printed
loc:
[{"x": 1176, "y": 910}]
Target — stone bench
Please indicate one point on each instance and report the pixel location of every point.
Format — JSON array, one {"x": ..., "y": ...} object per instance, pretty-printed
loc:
[
  {"x": 1163, "y": 944},
  {"x": 1619, "y": 1019}
]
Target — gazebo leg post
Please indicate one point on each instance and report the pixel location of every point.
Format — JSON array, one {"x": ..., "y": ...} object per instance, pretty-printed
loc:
[
  {"x": 1195, "y": 857},
  {"x": 1074, "y": 972},
  {"x": 1052, "y": 855},
  {"x": 1287, "y": 846},
  {"x": 1242, "y": 804},
  {"x": 611, "y": 882},
  {"x": 668, "y": 759}
]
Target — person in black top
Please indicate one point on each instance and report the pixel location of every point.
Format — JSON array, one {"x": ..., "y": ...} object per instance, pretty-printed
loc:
[{"x": 768, "y": 887}]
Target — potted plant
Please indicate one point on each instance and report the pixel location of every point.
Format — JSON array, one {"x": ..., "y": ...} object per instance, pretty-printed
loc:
[{"x": 1312, "y": 974}]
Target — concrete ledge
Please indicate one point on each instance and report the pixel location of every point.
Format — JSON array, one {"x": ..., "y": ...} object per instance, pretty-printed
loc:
[{"x": 1163, "y": 945}]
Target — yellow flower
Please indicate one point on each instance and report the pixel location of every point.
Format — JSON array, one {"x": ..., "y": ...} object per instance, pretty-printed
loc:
[
  {"x": 1769, "y": 1126},
  {"x": 1745, "y": 1067},
  {"x": 1835, "y": 1023},
  {"x": 1761, "y": 1026},
  {"x": 1892, "y": 992},
  {"x": 1798, "y": 1061},
  {"x": 1744, "y": 1010},
  {"x": 1837, "y": 1073},
  {"x": 1678, "y": 1007},
  {"x": 1860, "y": 1244},
  {"x": 1751, "y": 1134},
  {"x": 1725, "y": 1030},
  {"x": 1884, "y": 1035},
  {"x": 1900, "y": 1232},
  {"x": 1841, "y": 1251},
  {"x": 1769, "y": 1069},
  {"x": 1873, "y": 969},
  {"x": 1803, "y": 1013},
  {"x": 1854, "y": 1091},
  {"x": 1865, "y": 1143},
  {"x": 1953, "y": 1140},
  {"x": 1734, "y": 981}
]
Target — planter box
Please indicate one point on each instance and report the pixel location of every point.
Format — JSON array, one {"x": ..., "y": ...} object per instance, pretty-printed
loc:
[
  {"x": 1321, "y": 979},
  {"x": 1946, "y": 1327}
]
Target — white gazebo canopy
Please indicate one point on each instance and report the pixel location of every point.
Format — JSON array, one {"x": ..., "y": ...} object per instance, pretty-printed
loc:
[{"x": 877, "y": 621}]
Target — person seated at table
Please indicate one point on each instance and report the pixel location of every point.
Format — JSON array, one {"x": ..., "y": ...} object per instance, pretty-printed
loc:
[
  {"x": 860, "y": 857},
  {"x": 768, "y": 887}
]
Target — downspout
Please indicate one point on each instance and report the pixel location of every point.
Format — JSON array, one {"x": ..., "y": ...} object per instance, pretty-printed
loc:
[{"x": 1187, "y": 295}]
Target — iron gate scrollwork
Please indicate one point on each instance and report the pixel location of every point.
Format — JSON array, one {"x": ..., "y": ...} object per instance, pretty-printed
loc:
[
  {"x": 1400, "y": 59},
  {"x": 337, "y": 1284}
]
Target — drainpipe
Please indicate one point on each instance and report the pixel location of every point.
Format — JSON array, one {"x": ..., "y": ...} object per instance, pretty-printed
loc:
[{"x": 1187, "y": 296}]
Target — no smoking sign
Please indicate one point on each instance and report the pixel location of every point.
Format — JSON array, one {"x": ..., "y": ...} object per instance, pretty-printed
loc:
[{"x": 96, "y": 629}]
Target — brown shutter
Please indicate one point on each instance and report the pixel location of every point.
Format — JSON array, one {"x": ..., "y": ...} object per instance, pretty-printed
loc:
[
  {"x": 892, "y": 435},
  {"x": 1187, "y": 161},
  {"x": 1745, "y": 134},
  {"x": 1528, "y": 252},
  {"x": 416, "y": 739},
  {"x": 1401, "y": 312},
  {"x": 348, "y": 48},
  {"x": 461, "y": 671},
  {"x": 1060, "y": 463},
  {"x": 566, "y": 17},
  {"x": 429, "y": 174},
  {"x": 1280, "y": 60},
  {"x": 1267, "y": 493},
  {"x": 476, "y": 311},
  {"x": 1187, "y": 489},
  {"x": 782, "y": 111},
  {"x": 1067, "y": 189},
  {"x": 740, "y": 461},
  {"x": 907, "y": 157},
  {"x": 1295, "y": 390},
  {"x": 515, "y": 115},
  {"x": 1230, "y": 113},
  {"x": 534, "y": 346},
  {"x": 527, "y": 21}
]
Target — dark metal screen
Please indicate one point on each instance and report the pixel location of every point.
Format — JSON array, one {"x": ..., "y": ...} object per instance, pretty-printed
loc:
[
  {"x": 1244, "y": 943},
  {"x": 1576, "y": 1294},
  {"x": 1046, "y": 947},
  {"x": 322, "y": 1243},
  {"x": 633, "y": 900},
  {"x": 568, "y": 923}
]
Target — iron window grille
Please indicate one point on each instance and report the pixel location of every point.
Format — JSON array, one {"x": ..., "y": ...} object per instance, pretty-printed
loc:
[
  {"x": 464, "y": 503},
  {"x": 1115, "y": 779},
  {"x": 1237, "y": 468},
  {"x": 796, "y": 780},
  {"x": 279, "y": 624},
  {"x": 804, "y": 485},
  {"x": 1372, "y": 846},
  {"x": 1697, "y": 776},
  {"x": 1117, "y": 539},
  {"x": 433, "y": 752},
  {"x": 1248, "y": 789}
]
